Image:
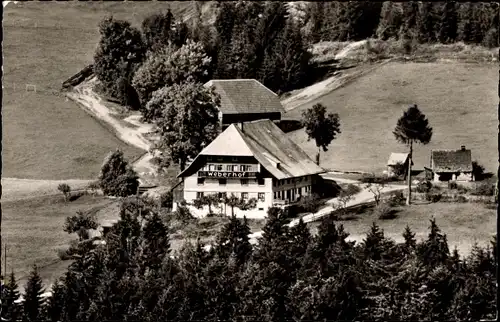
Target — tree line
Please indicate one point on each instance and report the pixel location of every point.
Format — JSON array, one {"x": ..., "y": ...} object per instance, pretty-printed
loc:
[
  {"x": 425, "y": 22},
  {"x": 289, "y": 275}
]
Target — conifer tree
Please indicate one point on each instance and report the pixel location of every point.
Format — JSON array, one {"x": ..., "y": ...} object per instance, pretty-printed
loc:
[
  {"x": 157, "y": 29},
  {"x": 410, "y": 241},
  {"x": 410, "y": 16},
  {"x": 434, "y": 250},
  {"x": 10, "y": 310},
  {"x": 390, "y": 20},
  {"x": 156, "y": 242},
  {"x": 33, "y": 304},
  {"x": 426, "y": 22},
  {"x": 412, "y": 127},
  {"x": 55, "y": 304},
  {"x": 375, "y": 244},
  {"x": 233, "y": 240},
  {"x": 448, "y": 23}
]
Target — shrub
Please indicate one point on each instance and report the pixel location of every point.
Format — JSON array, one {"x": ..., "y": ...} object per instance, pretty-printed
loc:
[
  {"x": 167, "y": 200},
  {"x": 452, "y": 185},
  {"x": 65, "y": 189},
  {"x": 462, "y": 189},
  {"x": 433, "y": 195},
  {"x": 183, "y": 215},
  {"x": 372, "y": 178},
  {"x": 484, "y": 189},
  {"x": 461, "y": 199},
  {"x": 352, "y": 189},
  {"x": 424, "y": 186},
  {"x": 397, "y": 199},
  {"x": 384, "y": 211},
  {"x": 309, "y": 204},
  {"x": 477, "y": 171}
]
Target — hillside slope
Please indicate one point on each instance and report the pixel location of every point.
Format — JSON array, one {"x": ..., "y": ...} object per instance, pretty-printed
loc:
[{"x": 459, "y": 99}]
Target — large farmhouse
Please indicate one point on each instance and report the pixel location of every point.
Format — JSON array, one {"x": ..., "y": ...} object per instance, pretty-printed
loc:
[
  {"x": 250, "y": 160},
  {"x": 453, "y": 165},
  {"x": 245, "y": 100}
]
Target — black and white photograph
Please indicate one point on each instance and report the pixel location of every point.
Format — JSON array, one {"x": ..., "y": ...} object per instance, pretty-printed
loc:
[{"x": 249, "y": 161}]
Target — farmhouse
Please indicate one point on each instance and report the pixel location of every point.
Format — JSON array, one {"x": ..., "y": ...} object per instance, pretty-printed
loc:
[
  {"x": 245, "y": 100},
  {"x": 250, "y": 160},
  {"x": 397, "y": 160},
  {"x": 453, "y": 165}
]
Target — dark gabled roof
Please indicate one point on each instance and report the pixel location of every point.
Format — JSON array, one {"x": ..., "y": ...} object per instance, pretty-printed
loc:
[
  {"x": 268, "y": 144},
  {"x": 451, "y": 160},
  {"x": 241, "y": 96}
]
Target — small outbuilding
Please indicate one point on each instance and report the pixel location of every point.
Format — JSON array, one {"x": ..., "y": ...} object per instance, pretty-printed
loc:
[
  {"x": 398, "y": 160},
  {"x": 454, "y": 165}
]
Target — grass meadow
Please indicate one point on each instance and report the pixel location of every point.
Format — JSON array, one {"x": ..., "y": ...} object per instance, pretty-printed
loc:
[
  {"x": 32, "y": 230},
  {"x": 459, "y": 99},
  {"x": 463, "y": 223},
  {"x": 44, "y": 43}
]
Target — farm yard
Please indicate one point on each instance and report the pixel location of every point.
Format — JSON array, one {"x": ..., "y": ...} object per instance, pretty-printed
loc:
[{"x": 459, "y": 100}]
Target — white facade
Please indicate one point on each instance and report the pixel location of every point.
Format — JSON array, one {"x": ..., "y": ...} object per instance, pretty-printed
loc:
[{"x": 267, "y": 191}]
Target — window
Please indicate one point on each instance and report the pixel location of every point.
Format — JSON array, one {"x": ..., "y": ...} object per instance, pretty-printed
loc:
[
  {"x": 235, "y": 159},
  {"x": 222, "y": 195},
  {"x": 262, "y": 196},
  {"x": 219, "y": 167},
  {"x": 201, "y": 181},
  {"x": 199, "y": 195},
  {"x": 219, "y": 159},
  {"x": 222, "y": 182},
  {"x": 211, "y": 167},
  {"x": 261, "y": 181},
  {"x": 275, "y": 195},
  {"x": 242, "y": 168},
  {"x": 209, "y": 158},
  {"x": 261, "y": 209},
  {"x": 244, "y": 182},
  {"x": 229, "y": 168},
  {"x": 244, "y": 195},
  {"x": 288, "y": 181}
]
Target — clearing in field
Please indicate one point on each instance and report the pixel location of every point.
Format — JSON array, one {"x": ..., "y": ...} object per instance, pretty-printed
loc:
[
  {"x": 45, "y": 136},
  {"x": 459, "y": 99},
  {"x": 463, "y": 223}
]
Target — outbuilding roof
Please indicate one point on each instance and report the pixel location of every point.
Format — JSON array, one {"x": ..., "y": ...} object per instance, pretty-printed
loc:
[
  {"x": 267, "y": 144},
  {"x": 451, "y": 160},
  {"x": 242, "y": 96},
  {"x": 396, "y": 158}
]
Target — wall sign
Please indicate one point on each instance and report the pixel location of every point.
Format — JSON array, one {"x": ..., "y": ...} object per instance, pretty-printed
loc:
[{"x": 227, "y": 174}]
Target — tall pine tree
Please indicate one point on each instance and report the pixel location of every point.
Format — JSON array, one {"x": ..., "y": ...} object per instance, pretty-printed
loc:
[
  {"x": 33, "y": 304},
  {"x": 10, "y": 294},
  {"x": 448, "y": 23}
]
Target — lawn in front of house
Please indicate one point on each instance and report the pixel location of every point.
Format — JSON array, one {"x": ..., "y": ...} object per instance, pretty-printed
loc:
[{"x": 463, "y": 223}]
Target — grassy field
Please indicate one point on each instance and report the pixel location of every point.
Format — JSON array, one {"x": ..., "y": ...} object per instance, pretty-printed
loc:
[
  {"x": 45, "y": 136},
  {"x": 32, "y": 230},
  {"x": 459, "y": 100},
  {"x": 463, "y": 223}
]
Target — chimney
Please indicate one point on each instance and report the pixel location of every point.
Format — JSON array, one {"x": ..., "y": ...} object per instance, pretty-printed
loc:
[{"x": 463, "y": 147}]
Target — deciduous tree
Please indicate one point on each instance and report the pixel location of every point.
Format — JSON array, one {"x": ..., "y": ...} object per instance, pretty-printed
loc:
[
  {"x": 412, "y": 127},
  {"x": 187, "y": 121},
  {"x": 80, "y": 224},
  {"x": 117, "y": 178},
  {"x": 169, "y": 66},
  {"x": 119, "y": 52},
  {"x": 321, "y": 127}
]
